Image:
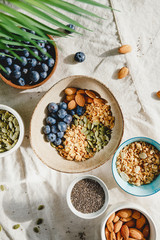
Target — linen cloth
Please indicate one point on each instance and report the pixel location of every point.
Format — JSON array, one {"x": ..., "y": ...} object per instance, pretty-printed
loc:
[{"x": 28, "y": 181}]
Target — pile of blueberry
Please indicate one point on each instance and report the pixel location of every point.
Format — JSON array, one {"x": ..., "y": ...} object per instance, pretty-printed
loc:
[
  {"x": 30, "y": 71},
  {"x": 59, "y": 117}
]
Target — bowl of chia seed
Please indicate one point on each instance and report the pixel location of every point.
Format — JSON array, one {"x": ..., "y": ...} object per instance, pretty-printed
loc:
[{"x": 87, "y": 197}]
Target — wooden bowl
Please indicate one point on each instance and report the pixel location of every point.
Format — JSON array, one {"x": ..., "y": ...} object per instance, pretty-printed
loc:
[
  {"x": 36, "y": 85},
  {"x": 47, "y": 154}
]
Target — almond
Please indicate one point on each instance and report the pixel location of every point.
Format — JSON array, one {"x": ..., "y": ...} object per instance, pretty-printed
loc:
[
  {"x": 80, "y": 100},
  {"x": 112, "y": 236},
  {"x": 110, "y": 219},
  {"x": 88, "y": 99},
  {"x": 70, "y": 91},
  {"x": 81, "y": 91},
  {"x": 116, "y": 219},
  {"x": 140, "y": 222},
  {"x": 119, "y": 236},
  {"x": 125, "y": 49},
  {"x": 110, "y": 226},
  {"x": 126, "y": 219},
  {"x": 125, "y": 232},
  {"x": 135, "y": 233},
  {"x": 72, "y": 104},
  {"x": 90, "y": 94},
  {"x": 158, "y": 94},
  {"x": 123, "y": 72},
  {"x": 118, "y": 226},
  {"x": 97, "y": 94},
  {"x": 136, "y": 214},
  {"x": 146, "y": 231},
  {"x": 124, "y": 213},
  {"x": 107, "y": 233},
  {"x": 99, "y": 101},
  {"x": 131, "y": 223},
  {"x": 70, "y": 97}
]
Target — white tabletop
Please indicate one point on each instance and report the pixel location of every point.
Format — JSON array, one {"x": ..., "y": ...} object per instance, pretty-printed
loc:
[{"x": 29, "y": 182}]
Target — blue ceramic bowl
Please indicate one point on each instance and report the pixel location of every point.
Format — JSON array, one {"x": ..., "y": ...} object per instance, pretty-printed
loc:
[{"x": 143, "y": 190}]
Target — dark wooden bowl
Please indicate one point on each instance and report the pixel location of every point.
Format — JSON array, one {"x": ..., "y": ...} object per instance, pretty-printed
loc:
[{"x": 36, "y": 85}]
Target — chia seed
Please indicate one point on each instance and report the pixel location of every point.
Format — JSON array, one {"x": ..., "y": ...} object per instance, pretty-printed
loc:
[{"x": 87, "y": 196}]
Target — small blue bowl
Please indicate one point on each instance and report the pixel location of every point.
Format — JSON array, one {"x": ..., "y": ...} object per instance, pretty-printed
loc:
[{"x": 143, "y": 190}]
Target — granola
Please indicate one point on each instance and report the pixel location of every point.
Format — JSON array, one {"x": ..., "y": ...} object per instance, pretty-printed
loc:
[{"x": 139, "y": 163}]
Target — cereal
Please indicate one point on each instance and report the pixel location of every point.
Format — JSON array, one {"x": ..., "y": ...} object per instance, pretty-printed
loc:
[{"x": 139, "y": 163}]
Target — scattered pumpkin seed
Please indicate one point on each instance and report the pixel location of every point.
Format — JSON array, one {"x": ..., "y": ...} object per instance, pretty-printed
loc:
[
  {"x": 36, "y": 230},
  {"x": 39, "y": 221},
  {"x": 2, "y": 188},
  {"x": 41, "y": 207},
  {"x": 0, "y": 227},
  {"x": 16, "y": 226}
]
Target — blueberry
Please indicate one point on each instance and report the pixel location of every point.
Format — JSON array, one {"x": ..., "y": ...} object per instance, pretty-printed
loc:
[
  {"x": 16, "y": 74},
  {"x": 62, "y": 126},
  {"x": 2, "y": 56},
  {"x": 61, "y": 113},
  {"x": 44, "y": 50},
  {"x": 44, "y": 67},
  {"x": 54, "y": 115},
  {"x": 79, "y": 57},
  {"x": 41, "y": 44},
  {"x": 52, "y": 107},
  {"x": 71, "y": 26},
  {"x": 51, "y": 137},
  {"x": 35, "y": 51},
  {"x": 48, "y": 47},
  {"x": 68, "y": 119},
  {"x": 24, "y": 61},
  {"x": 43, "y": 75},
  {"x": 63, "y": 105},
  {"x": 8, "y": 71},
  {"x": 16, "y": 67},
  {"x": 60, "y": 134},
  {"x": 23, "y": 29},
  {"x": 58, "y": 142},
  {"x": 32, "y": 32},
  {"x": 80, "y": 110},
  {"x": 25, "y": 53},
  {"x": 50, "y": 62},
  {"x": 25, "y": 71},
  {"x": 54, "y": 129},
  {"x": 46, "y": 129},
  {"x": 50, "y": 120},
  {"x": 21, "y": 82},
  {"x": 32, "y": 62},
  {"x": 72, "y": 112},
  {"x": 6, "y": 51},
  {"x": 8, "y": 61},
  {"x": 34, "y": 76},
  {"x": 44, "y": 57}
]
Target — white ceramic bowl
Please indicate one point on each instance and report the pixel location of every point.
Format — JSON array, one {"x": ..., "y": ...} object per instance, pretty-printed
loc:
[
  {"x": 21, "y": 125},
  {"x": 87, "y": 215},
  {"x": 123, "y": 205}
]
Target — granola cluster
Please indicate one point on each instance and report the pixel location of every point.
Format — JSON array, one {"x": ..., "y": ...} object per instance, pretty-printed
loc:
[
  {"x": 75, "y": 144},
  {"x": 139, "y": 163},
  {"x": 100, "y": 113}
]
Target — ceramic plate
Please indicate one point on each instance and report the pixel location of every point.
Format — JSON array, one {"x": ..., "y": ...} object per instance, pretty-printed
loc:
[{"x": 47, "y": 154}]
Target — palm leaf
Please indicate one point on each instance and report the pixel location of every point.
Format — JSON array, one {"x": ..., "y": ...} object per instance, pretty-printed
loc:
[{"x": 12, "y": 19}]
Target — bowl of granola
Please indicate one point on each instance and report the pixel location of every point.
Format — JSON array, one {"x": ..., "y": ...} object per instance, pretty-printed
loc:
[
  {"x": 77, "y": 125},
  {"x": 136, "y": 166}
]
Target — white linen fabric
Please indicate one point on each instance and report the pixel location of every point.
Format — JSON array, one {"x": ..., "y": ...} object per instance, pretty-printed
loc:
[{"x": 29, "y": 183}]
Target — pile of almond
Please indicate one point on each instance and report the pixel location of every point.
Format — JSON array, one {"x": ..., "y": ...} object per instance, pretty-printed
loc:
[
  {"x": 127, "y": 224},
  {"x": 80, "y": 97}
]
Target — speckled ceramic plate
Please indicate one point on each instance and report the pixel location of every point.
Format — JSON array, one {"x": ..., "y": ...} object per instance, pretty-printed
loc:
[{"x": 49, "y": 155}]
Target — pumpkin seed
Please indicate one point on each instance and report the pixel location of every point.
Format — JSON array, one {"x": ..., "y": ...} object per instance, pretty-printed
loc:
[
  {"x": 85, "y": 119},
  {"x": 39, "y": 221},
  {"x": 36, "y": 230},
  {"x": 0, "y": 227},
  {"x": 16, "y": 226},
  {"x": 81, "y": 123},
  {"x": 41, "y": 207},
  {"x": 2, "y": 188}
]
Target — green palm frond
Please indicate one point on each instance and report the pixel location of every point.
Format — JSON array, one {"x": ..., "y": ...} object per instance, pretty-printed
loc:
[{"x": 51, "y": 11}]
